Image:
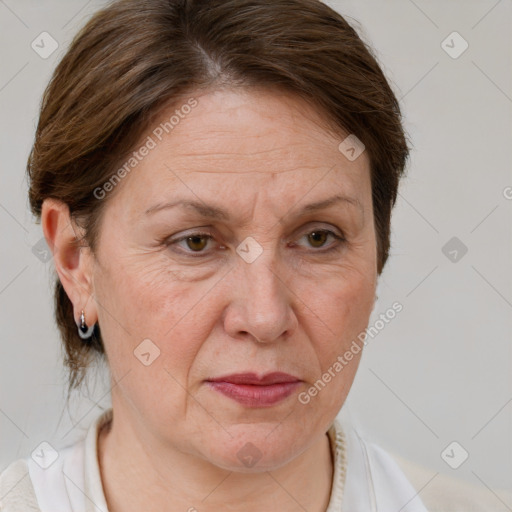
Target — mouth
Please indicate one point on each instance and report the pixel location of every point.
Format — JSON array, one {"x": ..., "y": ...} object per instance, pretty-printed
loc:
[{"x": 253, "y": 391}]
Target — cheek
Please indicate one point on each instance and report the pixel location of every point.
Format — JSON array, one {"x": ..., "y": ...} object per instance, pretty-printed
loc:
[
  {"x": 341, "y": 306},
  {"x": 341, "y": 303},
  {"x": 147, "y": 302},
  {"x": 344, "y": 311},
  {"x": 147, "y": 297},
  {"x": 347, "y": 313},
  {"x": 351, "y": 305},
  {"x": 152, "y": 333}
]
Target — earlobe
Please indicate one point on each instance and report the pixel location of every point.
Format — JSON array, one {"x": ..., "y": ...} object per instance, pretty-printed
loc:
[{"x": 71, "y": 259}]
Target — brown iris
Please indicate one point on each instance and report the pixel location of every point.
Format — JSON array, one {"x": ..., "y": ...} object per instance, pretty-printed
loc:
[
  {"x": 317, "y": 237},
  {"x": 197, "y": 242}
]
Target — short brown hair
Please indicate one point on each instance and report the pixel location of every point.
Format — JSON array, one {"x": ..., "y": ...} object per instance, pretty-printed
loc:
[{"x": 134, "y": 56}]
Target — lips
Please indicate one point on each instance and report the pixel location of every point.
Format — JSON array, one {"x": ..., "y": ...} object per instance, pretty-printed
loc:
[
  {"x": 253, "y": 379},
  {"x": 251, "y": 390}
]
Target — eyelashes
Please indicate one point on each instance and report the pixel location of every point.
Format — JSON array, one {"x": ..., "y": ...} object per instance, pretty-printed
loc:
[{"x": 195, "y": 243}]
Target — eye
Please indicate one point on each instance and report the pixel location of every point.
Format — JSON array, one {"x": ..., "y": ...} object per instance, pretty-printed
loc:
[
  {"x": 196, "y": 243},
  {"x": 191, "y": 243},
  {"x": 318, "y": 237}
]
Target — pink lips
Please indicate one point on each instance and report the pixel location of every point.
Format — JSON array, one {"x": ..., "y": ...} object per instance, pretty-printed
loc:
[{"x": 253, "y": 391}]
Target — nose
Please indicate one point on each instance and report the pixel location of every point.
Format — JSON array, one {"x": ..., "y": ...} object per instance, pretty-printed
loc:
[{"x": 261, "y": 304}]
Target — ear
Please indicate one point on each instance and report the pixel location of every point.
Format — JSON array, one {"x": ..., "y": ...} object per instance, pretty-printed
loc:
[{"x": 73, "y": 261}]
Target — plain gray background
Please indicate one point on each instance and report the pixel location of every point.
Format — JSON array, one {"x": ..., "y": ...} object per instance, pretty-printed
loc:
[{"x": 441, "y": 370}]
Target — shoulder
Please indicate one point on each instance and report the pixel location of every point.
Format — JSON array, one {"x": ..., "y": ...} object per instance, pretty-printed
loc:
[
  {"x": 383, "y": 480},
  {"x": 445, "y": 493},
  {"x": 373, "y": 480},
  {"x": 16, "y": 489},
  {"x": 30, "y": 485}
]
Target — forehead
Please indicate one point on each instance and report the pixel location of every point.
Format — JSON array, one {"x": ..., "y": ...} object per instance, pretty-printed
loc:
[{"x": 243, "y": 144}]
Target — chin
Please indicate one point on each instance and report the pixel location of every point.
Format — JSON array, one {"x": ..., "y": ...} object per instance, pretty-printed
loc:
[{"x": 253, "y": 450}]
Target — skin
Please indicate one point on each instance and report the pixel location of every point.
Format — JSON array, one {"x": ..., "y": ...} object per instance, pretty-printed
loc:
[{"x": 173, "y": 443}]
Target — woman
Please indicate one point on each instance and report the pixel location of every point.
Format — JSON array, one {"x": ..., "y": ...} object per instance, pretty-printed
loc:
[{"x": 215, "y": 180}]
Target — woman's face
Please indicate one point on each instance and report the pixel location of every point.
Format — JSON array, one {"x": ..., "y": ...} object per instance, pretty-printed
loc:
[{"x": 263, "y": 285}]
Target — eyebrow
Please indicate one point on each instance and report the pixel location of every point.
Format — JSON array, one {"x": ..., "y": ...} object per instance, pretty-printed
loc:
[{"x": 215, "y": 212}]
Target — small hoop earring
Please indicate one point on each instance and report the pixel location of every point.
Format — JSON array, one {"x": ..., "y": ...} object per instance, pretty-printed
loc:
[{"x": 83, "y": 331}]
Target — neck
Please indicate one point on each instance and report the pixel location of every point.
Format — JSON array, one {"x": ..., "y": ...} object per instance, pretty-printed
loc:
[{"x": 144, "y": 476}]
